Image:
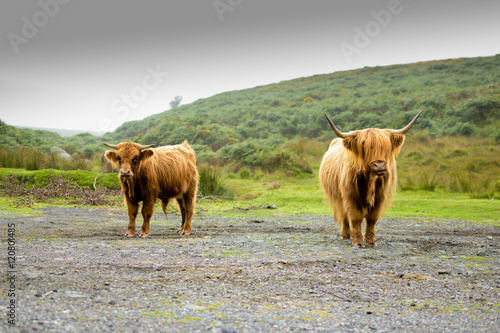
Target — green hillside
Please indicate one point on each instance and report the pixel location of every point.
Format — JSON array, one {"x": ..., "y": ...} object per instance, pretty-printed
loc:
[{"x": 253, "y": 126}]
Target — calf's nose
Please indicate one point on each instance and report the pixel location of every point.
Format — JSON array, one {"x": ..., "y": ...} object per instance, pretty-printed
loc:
[
  {"x": 379, "y": 167},
  {"x": 125, "y": 172}
]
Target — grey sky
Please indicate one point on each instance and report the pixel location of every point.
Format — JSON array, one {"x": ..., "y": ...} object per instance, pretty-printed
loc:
[{"x": 92, "y": 65}]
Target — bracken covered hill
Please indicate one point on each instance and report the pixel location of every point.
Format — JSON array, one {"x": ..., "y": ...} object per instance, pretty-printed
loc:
[
  {"x": 255, "y": 127},
  {"x": 459, "y": 96}
]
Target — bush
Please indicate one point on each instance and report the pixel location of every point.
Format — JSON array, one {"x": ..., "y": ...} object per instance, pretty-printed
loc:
[
  {"x": 36, "y": 159},
  {"x": 211, "y": 183}
]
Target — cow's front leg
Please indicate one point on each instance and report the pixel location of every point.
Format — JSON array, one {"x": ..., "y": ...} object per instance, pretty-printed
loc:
[
  {"x": 147, "y": 213},
  {"x": 355, "y": 220},
  {"x": 133, "y": 208},
  {"x": 370, "y": 239}
]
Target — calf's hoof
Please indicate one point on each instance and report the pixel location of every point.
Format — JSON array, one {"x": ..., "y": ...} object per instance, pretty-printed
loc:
[
  {"x": 183, "y": 232},
  {"x": 128, "y": 234},
  {"x": 358, "y": 244},
  {"x": 371, "y": 244},
  {"x": 142, "y": 235}
]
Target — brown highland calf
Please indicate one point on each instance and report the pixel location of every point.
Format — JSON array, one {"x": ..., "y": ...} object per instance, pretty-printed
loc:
[
  {"x": 150, "y": 173},
  {"x": 358, "y": 176}
]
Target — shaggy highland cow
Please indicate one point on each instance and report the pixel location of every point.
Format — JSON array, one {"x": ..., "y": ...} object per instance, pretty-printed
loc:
[
  {"x": 358, "y": 176},
  {"x": 149, "y": 173}
]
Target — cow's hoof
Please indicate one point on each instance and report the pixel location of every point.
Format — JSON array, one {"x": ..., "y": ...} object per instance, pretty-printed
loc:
[
  {"x": 371, "y": 244},
  {"x": 128, "y": 235},
  {"x": 345, "y": 236},
  {"x": 183, "y": 232},
  {"x": 358, "y": 245},
  {"x": 143, "y": 235}
]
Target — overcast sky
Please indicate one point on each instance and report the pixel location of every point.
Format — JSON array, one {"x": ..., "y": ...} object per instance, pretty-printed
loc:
[{"x": 92, "y": 65}]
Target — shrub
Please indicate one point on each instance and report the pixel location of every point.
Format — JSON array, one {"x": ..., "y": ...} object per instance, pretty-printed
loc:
[
  {"x": 211, "y": 183},
  {"x": 244, "y": 173}
]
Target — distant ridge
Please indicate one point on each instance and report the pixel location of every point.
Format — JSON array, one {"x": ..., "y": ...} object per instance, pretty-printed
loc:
[{"x": 63, "y": 132}]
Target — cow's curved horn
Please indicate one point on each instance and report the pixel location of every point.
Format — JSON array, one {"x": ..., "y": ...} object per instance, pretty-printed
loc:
[
  {"x": 339, "y": 133},
  {"x": 110, "y": 146},
  {"x": 407, "y": 128},
  {"x": 146, "y": 146}
]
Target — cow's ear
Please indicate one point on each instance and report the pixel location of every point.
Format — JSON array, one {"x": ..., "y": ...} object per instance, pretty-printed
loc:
[
  {"x": 110, "y": 156},
  {"x": 350, "y": 143},
  {"x": 146, "y": 153},
  {"x": 397, "y": 140}
]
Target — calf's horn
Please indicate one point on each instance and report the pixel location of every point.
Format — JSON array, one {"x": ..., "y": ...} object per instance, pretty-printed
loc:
[
  {"x": 339, "y": 133},
  {"x": 110, "y": 146},
  {"x": 407, "y": 128}
]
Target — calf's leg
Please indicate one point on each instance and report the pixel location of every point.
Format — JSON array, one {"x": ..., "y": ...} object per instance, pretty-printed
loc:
[
  {"x": 180, "y": 201},
  {"x": 132, "y": 208},
  {"x": 187, "y": 203},
  {"x": 147, "y": 213}
]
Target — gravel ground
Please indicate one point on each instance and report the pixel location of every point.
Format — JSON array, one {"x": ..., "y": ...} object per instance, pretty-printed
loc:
[{"x": 74, "y": 272}]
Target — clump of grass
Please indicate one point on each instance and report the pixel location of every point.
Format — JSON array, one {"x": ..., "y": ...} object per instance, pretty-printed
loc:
[
  {"x": 56, "y": 187},
  {"x": 211, "y": 182},
  {"x": 457, "y": 164},
  {"x": 244, "y": 173},
  {"x": 37, "y": 159},
  {"x": 423, "y": 179},
  {"x": 84, "y": 179}
]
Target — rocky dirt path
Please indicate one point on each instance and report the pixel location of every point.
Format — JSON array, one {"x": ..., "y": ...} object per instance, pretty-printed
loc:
[{"x": 74, "y": 272}]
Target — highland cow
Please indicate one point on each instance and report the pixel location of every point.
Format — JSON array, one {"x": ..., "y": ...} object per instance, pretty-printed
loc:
[
  {"x": 358, "y": 176},
  {"x": 149, "y": 173}
]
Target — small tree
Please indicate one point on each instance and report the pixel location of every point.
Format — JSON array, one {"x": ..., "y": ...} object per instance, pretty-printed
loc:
[{"x": 176, "y": 102}]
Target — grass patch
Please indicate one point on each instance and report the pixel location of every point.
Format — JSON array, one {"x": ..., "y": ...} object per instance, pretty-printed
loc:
[
  {"x": 83, "y": 178},
  {"x": 444, "y": 204},
  {"x": 299, "y": 196}
]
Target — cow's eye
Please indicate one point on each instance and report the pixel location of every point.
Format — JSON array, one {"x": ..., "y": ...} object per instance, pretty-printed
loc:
[{"x": 118, "y": 159}]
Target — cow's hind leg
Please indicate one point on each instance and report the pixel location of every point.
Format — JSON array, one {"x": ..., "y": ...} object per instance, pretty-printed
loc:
[
  {"x": 147, "y": 213},
  {"x": 182, "y": 207},
  {"x": 345, "y": 231},
  {"x": 187, "y": 204},
  {"x": 164, "y": 204},
  {"x": 341, "y": 218}
]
